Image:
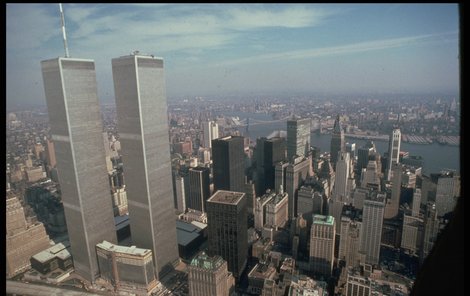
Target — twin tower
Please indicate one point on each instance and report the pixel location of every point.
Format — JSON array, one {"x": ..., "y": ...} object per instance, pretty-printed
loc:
[{"x": 76, "y": 127}]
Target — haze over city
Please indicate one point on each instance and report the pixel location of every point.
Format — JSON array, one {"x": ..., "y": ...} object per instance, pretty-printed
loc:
[{"x": 246, "y": 49}]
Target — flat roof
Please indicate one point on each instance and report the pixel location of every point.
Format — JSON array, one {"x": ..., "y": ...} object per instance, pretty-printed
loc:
[
  {"x": 59, "y": 250},
  {"x": 133, "y": 250},
  {"x": 226, "y": 197},
  {"x": 186, "y": 232},
  {"x": 326, "y": 220}
]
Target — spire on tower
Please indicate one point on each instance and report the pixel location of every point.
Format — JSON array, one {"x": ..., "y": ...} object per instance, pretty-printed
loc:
[{"x": 62, "y": 19}]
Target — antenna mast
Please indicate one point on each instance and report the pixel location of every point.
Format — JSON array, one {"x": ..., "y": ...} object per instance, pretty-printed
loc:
[{"x": 62, "y": 19}]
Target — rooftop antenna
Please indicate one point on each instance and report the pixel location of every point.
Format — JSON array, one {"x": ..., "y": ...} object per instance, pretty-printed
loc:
[{"x": 62, "y": 19}]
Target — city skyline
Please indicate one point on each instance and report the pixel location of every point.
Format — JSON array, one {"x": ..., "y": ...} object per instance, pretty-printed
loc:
[{"x": 320, "y": 48}]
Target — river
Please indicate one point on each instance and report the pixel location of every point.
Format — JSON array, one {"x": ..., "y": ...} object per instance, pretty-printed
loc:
[{"x": 436, "y": 157}]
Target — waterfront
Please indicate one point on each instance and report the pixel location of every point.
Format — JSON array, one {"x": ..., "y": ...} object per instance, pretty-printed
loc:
[{"x": 436, "y": 157}]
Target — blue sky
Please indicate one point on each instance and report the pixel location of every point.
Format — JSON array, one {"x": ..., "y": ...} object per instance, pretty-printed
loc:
[{"x": 225, "y": 49}]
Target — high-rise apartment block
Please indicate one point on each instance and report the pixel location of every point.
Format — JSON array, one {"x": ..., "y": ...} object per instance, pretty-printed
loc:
[
  {"x": 298, "y": 137},
  {"x": 139, "y": 86},
  {"x": 76, "y": 127},
  {"x": 228, "y": 163},
  {"x": 227, "y": 229},
  {"x": 322, "y": 245},
  {"x": 209, "y": 276}
]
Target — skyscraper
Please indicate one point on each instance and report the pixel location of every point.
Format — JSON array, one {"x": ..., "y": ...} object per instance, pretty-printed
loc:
[
  {"x": 337, "y": 142},
  {"x": 227, "y": 229},
  {"x": 372, "y": 221},
  {"x": 392, "y": 206},
  {"x": 139, "y": 87},
  {"x": 211, "y": 132},
  {"x": 208, "y": 276},
  {"x": 296, "y": 173},
  {"x": 393, "y": 152},
  {"x": 229, "y": 163},
  {"x": 298, "y": 137},
  {"x": 199, "y": 190},
  {"x": 448, "y": 188},
  {"x": 76, "y": 128},
  {"x": 23, "y": 239},
  {"x": 268, "y": 153},
  {"x": 340, "y": 189},
  {"x": 322, "y": 244}
]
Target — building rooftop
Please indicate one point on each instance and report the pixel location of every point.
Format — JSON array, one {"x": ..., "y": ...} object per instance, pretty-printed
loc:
[
  {"x": 133, "y": 250},
  {"x": 202, "y": 260},
  {"x": 60, "y": 250},
  {"x": 186, "y": 232},
  {"x": 326, "y": 220},
  {"x": 226, "y": 197}
]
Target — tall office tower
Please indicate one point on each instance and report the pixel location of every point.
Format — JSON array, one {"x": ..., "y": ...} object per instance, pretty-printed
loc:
[
  {"x": 337, "y": 142},
  {"x": 260, "y": 209},
  {"x": 276, "y": 210},
  {"x": 179, "y": 192},
  {"x": 23, "y": 239},
  {"x": 296, "y": 173},
  {"x": 370, "y": 177},
  {"x": 199, "y": 190},
  {"x": 309, "y": 203},
  {"x": 139, "y": 88},
  {"x": 392, "y": 205},
  {"x": 76, "y": 127},
  {"x": 50, "y": 153},
  {"x": 340, "y": 189},
  {"x": 280, "y": 175},
  {"x": 250, "y": 197},
  {"x": 268, "y": 153},
  {"x": 412, "y": 232},
  {"x": 416, "y": 202},
  {"x": 350, "y": 240},
  {"x": 428, "y": 188},
  {"x": 363, "y": 154},
  {"x": 208, "y": 276},
  {"x": 351, "y": 149},
  {"x": 357, "y": 285},
  {"x": 322, "y": 245},
  {"x": 211, "y": 132},
  {"x": 393, "y": 152},
  {"x": 227, "y": 229},
  {"x": 448, "y": 188},
  {"x": 298, "y": 137},
  {"x": 431, "y": 230},
  {"x": 372, "y": 221},
  {"x": 228, "y": 158}
]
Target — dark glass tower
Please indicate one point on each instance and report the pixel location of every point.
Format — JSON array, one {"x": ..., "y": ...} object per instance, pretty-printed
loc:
[
  {"x": 199, "y": 190},
  {"x": 227, "y": 229},
  {"x": 337, "y": 142},
  {"x": 268, "y": 153},
  {"x": 228, "y": 163}
]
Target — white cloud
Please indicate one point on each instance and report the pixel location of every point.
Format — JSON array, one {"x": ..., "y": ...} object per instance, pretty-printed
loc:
[{"x": 343, "y": 49}]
